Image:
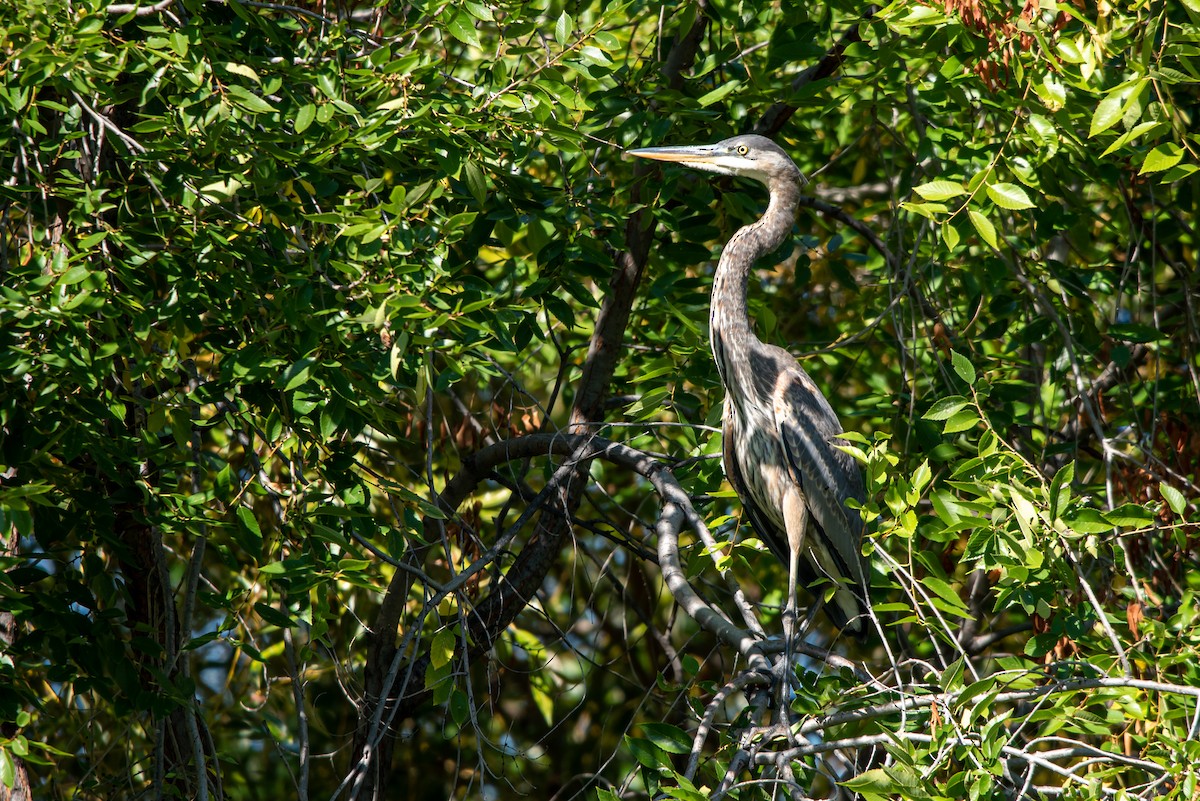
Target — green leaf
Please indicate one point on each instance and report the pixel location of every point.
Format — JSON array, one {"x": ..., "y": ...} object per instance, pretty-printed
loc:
[
  {"x": 273, "y": 616},
  {"x": 220, "y": 191},
  {"x": 1129, "y": 515},
  {"x": 543, "y": 700},
  {"x": 248, "y": 100},
  {"x": 1040, "y": 644},
  {"x": 563, "y": 29},
  {"x": 460, "y": 220},
  {"x": 1043, "y": 130},
  {"x": 594, "y": 55},
  {"x": 243, "y": 70},
  {"x": 1027, "y": 513},
  {"x": 987, "y": 231},
  {"x": 940, "y": 190},
  {"x": 1169, "y": 75},
  {"x": 1060, "y": 489},
  {"x": 1149, "y": 128},
  {"x": 296, "y": 374},
  {"x": 963, "y": 366},
  {"x": 1087, "y": 521},
  {"x": 460, "y": 706},
  {"x": 950, "y": 236},
  {"x": 478, "y": 10},
  {"x": 1173, "y": 497},
  {"x": 1109, "y": 110},
  {"x": 73, "y": 276},
  {"x": 462, "y": 27},
  {"x": 1069, "y": 52},
  {"x": 304, "y": 118},
  {"x": 647, "y": 753},
  {"x": 718, "y": 93},
  {"x": 441, "y": 650},
  {"x": 951, "y": 678},
  {"x": 945, "y": 408},
  {"x": 1135, "y": 332},
  {"x": 250, "y": 522},
  {"x": 90, "y": 25},
  {"x": 926, "y": 210},
  {"x": 961, "y": 421},
  {"x": 476, "y": 182},
  {"x": 1161, "y": 158},
  {"x": 669, "y": 738},
  {"x": 438, "y": 678},
  {"x": 1009, "y": 196},
  {"x": 1052, "y": 92},
  {"x": 922, "y": 476},
  {"x": 885, "y": 784}
]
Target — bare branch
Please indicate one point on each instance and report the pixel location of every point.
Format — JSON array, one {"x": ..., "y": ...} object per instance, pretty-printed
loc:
[{"x": 118, "y": 9}]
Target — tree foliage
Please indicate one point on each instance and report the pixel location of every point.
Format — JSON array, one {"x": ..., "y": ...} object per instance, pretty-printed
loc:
[{"x": 359, "y": 430}]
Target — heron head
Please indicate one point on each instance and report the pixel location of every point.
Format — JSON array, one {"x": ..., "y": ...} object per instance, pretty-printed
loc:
[{"x": 747, "y": 156}]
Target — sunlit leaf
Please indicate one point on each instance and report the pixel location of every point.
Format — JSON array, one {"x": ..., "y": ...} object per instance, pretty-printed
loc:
[
  {"x": 1173, "y": 497},
  {"x": 963, "y": 366},
  {"x": 940, "y": 190},
  {"x": 1162, "y": 158},
  {"x": 961, "y": 420},
  {"x": 718, "y": 93},
  {"x": 461, "y": 26},
  {"x": 563, "y": 28},
  {"x": 304, "y": 118},
  {"x": 984, "y": 227},
  {"x": 945, "y": 408},
  {"x": 1009, "y": 196},
  {"x": 1107, "y": 113}
]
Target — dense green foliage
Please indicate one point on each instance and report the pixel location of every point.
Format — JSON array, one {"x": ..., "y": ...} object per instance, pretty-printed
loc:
[{"x": 294, "y": 300}]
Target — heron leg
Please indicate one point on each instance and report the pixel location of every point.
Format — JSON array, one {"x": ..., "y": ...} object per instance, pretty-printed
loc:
[
  {"x": 790, "y": 614},
  {"x": 795, "y": 516}
]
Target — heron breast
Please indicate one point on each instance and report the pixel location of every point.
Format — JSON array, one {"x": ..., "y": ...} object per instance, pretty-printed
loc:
[{"x": 760, "y": 462}]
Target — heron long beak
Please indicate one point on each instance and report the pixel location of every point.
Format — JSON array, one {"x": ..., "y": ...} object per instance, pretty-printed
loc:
[{"x": 687, "y": 155}]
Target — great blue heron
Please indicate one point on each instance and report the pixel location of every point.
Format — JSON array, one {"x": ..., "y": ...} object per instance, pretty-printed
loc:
[{"x": 780, "y": 433}]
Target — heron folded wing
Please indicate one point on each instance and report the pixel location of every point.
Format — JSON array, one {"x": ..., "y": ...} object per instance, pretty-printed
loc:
[{"x": 829, "y": 477}]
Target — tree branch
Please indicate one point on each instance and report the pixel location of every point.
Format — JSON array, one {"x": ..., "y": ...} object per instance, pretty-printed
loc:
[
  {"x": 777, "y": 116},
  {"x": 118, "y": 9},
  {"x": 482, "y": 624},
  {"x": 1076, "y": 431}
]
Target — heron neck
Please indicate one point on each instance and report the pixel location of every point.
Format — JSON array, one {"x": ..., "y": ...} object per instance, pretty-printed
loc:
[{"x": 730, "y": 329}]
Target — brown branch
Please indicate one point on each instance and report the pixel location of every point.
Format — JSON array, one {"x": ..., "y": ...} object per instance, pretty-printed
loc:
[
  {"x": 613, "y": 319},
  {"x": 494, "y": 613},
  {"x": 19, "y": 787},
  {"x": 482, "y": 626},
  {"x": 981, "y": 642},
  {"x": 150, "y": 610},
  {"x": 1078, "y": 430},
  {"x": 777, "y": 116},
  {"x": 683, "y": 52},
  {"x": 859, "y": 227}
]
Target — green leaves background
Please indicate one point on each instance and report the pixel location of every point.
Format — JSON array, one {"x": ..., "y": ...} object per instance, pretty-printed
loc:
[{"x": 272, "y": 277}]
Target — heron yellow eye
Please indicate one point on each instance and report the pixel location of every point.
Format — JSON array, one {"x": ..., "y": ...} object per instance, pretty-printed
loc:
[{"x": 742, "y": 150}]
